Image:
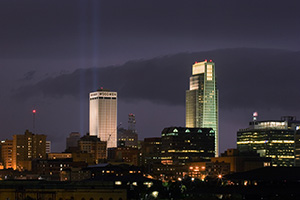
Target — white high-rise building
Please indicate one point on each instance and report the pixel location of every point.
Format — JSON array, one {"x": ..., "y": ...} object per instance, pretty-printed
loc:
[{"x": 103, "y": 116}]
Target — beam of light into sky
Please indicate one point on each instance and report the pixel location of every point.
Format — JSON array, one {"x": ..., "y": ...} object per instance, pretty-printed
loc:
[
  {"x": 95, "y": 30},
  {"x": 82, "y": 53}
]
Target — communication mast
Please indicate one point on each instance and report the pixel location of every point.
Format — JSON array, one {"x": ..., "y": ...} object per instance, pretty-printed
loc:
[
  {"x": 33, "y": 119},
  {"x": 255, "y": 115}
]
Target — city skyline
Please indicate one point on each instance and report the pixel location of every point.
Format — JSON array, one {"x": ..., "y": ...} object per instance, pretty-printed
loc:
[
  {"x": 55, "y": 53},
  {"x": 232, "y": 140}
]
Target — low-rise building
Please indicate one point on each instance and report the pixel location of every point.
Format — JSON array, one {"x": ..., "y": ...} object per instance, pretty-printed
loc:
[
  {"x": 50, "y": 169},
  {"x": 26, "y": 148},
  {"x": 180, "y": 145},
  {"x": 150, "y": 153},
  {"x": 6, "y": 153},
  {"x": 93, "y": 145},
  {"x": 52, "y": 190},
  {"x": 242, "y": 161},
  {"x": 127, "y": 155}
]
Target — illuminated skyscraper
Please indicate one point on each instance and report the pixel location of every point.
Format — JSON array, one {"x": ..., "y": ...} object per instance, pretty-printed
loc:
[
  {"x": 103, "y": 116},
  {"x": 202, "y": 99}
]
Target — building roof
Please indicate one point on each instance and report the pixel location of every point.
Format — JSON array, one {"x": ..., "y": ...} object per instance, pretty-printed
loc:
[
  {"x": 184, "y": 129},
  {"x": 268, "y": 174}
]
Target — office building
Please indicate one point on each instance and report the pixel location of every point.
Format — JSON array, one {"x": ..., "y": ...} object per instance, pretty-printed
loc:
[
  {"x": 151, "y": 151},
  {"x": 126, "y": 155},
  {"x": 53, "y": 156},
  {"x": 242, "y": 161},
  {"x": 131, "y": 122},
  {"x": 26, "y": 148},
  {"x": 128, "y": 137},
  {"x": 48, "y": 147},
  {"x": 91, "y": 144},
  {"x": 181, "y": 145},
  {"x": 6, "y": 153},
  {"x": 72, "y": 140},
  {"x": 202, "y": 99},
  {"x": 36, "y": 189},
  {"x": 271, "y": 138},
  {"x": 50, "y": 169},
  {"x": 103, "y": 116},
  {"x": 297, "y": 148}
]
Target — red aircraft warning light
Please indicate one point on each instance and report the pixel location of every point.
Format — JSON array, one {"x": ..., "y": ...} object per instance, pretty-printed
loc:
[{"x": 33, "y": 111}]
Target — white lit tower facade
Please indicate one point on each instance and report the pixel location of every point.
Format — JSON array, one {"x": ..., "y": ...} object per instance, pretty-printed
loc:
[
  {"x": 103, "y": 116},
  {"x": 202, "y": 99}
]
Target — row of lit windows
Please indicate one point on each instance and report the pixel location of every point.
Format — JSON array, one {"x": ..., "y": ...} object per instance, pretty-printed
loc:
[
  {"x": 266, "y": 141},
  {"x": 185, "y": 151},
  {"x": 103, "y": 98}
]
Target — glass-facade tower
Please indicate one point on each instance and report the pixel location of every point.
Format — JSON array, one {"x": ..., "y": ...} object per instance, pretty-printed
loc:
[{"x": 202, "y": 99}]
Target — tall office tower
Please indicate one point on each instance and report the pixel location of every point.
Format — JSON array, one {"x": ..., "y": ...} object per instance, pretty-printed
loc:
[
  {"x": 202, "y": 99},
  {"x": 103, "y": 116}
]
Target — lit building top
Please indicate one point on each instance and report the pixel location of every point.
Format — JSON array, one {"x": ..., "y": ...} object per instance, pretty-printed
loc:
[
  {"x": 274, "y": 124},
  {"x": 199, "y": 68},
  {"x": 102, "y": 94}
]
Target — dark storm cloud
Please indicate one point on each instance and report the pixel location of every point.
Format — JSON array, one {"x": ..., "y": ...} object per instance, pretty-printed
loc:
[
  {"x": 247, "y": 78},
  {"x": 29, "y": 75}
]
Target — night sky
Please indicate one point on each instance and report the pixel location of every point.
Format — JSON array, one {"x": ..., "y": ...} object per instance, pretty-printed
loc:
[{"x": 53, "y": 53}]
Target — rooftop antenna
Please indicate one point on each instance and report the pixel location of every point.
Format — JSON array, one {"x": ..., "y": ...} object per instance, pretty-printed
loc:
[
  {"x": 33, "y": 120},
  {"x": 255, "y": 115}
]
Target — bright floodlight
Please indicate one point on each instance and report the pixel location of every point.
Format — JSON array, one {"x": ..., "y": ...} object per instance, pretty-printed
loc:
[{"x": 155, "y": 194}]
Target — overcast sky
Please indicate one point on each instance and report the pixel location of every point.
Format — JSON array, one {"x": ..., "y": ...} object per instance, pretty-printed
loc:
[{"x": 53, "y": 53}]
